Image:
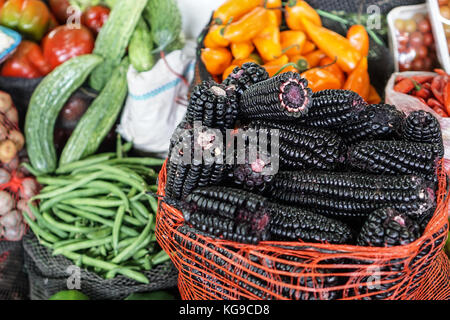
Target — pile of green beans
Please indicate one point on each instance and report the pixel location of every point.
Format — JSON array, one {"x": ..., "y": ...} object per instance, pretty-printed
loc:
[{"x": 99, "y": 213}]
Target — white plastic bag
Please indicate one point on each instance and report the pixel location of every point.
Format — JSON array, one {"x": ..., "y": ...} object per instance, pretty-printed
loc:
[
  {"x": 153, "y": 110},
  {"x": 408, "y": 104}
]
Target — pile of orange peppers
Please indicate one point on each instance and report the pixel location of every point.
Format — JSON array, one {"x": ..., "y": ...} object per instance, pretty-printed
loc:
[{"x": 249, "y": 31}]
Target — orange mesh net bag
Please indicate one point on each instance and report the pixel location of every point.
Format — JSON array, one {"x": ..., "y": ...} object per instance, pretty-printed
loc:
[{"x": 211, "y": 269}]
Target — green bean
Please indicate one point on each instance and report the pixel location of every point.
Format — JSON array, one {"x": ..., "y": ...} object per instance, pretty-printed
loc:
[
  {"x": 64, "y": 216},
  {"x": 113, "y": 189},
  {"x": 82, "y": 245},
  {"x": 46, "y": 205},
  {"x": 100, "y": 211},
  {"x": 126, "y": 242},
  {"x": 153, "y": 203},
  {"x": 100, "y": 233},
  {"x": 126, "y": 230},
  {"x": 138, "y": 215},
  {"x": 146, "y": 263},
  {"x": 125, "y": 271},
  {"x": 131, "y": 249},
  {"x": 30, "y": 169},
  {"x": 132, "y": 193},
  {"x": 40, "y": 219},
  {"x": 69, "y": 187},
  {"x": 84, "y": 163},
  {"x": 49, "y": 188},
  {"x": 106, "y": 266},
  {"x": 119, "y": 152},
  {"x": 63, "y": 226},
  {"x": 138, "y": 197},
  {"x": 141, "y": 209},
  {"x": 139, "y": 169},
  {"x": 104, "y": 203},
  {"x": 105, "y": 169},
  {"x": 139, "y": 186},
  {"x": 116, "y": 227},
  {"x": 154, "y": 188},
  {"x": 55, "y": 182},
  {"x": 60, "y": 244},
  {"x": 160, "y": 257},
  {"x": 141, "y": 253},
  {"x": 127, "y": 147},
  {"x": 151, "y": 162},
  {"x": 39, "y": 232}
]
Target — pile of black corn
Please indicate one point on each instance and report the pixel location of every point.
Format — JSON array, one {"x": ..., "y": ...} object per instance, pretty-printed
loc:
[{"x": 261, "y": 158}]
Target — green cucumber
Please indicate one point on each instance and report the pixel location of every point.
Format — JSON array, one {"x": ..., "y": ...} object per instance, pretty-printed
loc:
[
  {"x": 114, "y": 37},
  {"x": 141, "y": 47},
  {"x": 46, "y": 102},
  {"x": 98, "y": 120},
  {"x": 164, "y": 18}
]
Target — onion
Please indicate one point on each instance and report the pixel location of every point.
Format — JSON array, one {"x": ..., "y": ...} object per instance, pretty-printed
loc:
[
  {"x": 13, "y": 116},
  {"x": 4, "y": 176},
  {"x": 11, "y": 219},
  {"x": 6, "y": 102},
  {"x": 17, "y": 137},
  {"x": 6, "y": 203},
  {"x": 12, "y": 165},
  {"x": 22, "y": 206},
  {"x": 14, "y": 234},
  {"x": 29, "y": 188},
  {"x": 8, "y": 151}
]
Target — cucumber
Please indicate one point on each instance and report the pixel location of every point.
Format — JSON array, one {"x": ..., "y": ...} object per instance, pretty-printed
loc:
[
  {"x": 114, "y": 37},
  {"x": 46, "y": 102},
  {"x": 165, "y": 21},
  {"x": 98, "y": 120},
  {"x": 140, "y": 48}
]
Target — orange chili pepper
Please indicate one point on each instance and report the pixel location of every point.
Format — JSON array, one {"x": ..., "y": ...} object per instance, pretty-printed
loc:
[
  {"x": 240, "y": 62},
  {"x": 268, "y": 42},
  {"x": 275, "y": 6},
  {"x": 234, "y": 9},
  {"x": 308, "y": 47},
  {"x": 214, "y": 38},
  {"x": 281, "y": 61},
  {"x": 359, "y": 39},
  {"x": 228, "y": 71},
  {"x": 300, "y": 61},
  {"x": 301, "y": 9},
  {"x": 320, "y": 79},
  {"x": 248, "y": 26},
  {"x": 292, "y": 42},
  {"x": 274, "y": 69},
  {"x": 332, "y": 67},
  {"x": 359, "y": 80},
  {"x": 216, "y": 60},
  {"x": 374, "y": 97},
  {"x": 242, "y": 50},
  {"x": 333, "y": 45},
  {"x": 314, "y": 58}
]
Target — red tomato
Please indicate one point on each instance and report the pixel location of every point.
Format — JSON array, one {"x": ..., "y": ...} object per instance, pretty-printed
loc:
[
  {"x": 60, "y": 9},
  {"x": 95, "y": 17},
  {"x": 64, "y": 43}
]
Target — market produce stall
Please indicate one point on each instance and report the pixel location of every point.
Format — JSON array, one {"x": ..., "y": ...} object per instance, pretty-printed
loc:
[{"x": 288, "y": 149}]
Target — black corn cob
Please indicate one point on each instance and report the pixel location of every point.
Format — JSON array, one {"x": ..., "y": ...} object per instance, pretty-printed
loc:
[
  {"x": 332, "y": 109},
  {"x": 373, "y": 122},
  {"x": 395, "y": 157},
  {"x": 226, "y": 228},
  {"x": 283, "y": 97},
  {"x": 185, "y": 172},
  {"x": 292, "y": 224},
  {"x": 214, "y": 105},
  {"x": 388, "y": 228},
  {"x": 422, "y": 126},
  {"x": 305, "y": 148},
  {"x": 244, "y": 77},
  {"x": 352, "y": 194},
  {"x": 250, "y": 167}
]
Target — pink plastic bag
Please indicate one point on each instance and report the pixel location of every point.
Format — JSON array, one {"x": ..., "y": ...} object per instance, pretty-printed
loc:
[{"x": 408, "y": 104}]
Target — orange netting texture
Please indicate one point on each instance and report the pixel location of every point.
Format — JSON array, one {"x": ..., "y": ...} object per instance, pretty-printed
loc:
[{"x": 214, "y": 269}]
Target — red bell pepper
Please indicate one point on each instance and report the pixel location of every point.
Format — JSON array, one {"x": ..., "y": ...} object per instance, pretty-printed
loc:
[
  {"x": 64, "y": 43},
  {"x": 95, "y": 17},
  {"x": 27, "y": 62},
  {"x": 29, "y": 17}
]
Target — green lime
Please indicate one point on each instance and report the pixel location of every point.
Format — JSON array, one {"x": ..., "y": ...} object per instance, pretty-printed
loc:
[{"x": 69, "y": 295}]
